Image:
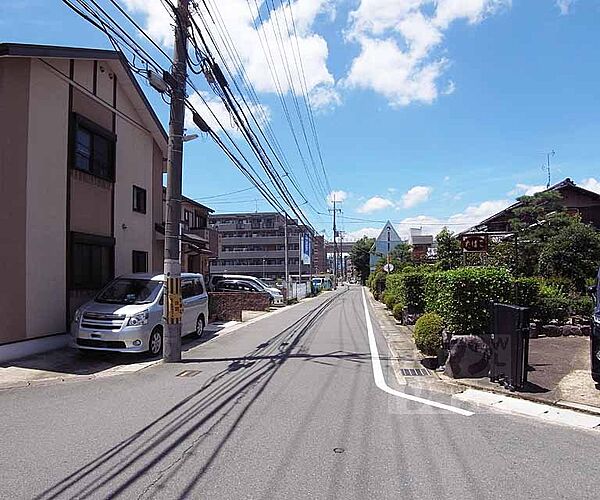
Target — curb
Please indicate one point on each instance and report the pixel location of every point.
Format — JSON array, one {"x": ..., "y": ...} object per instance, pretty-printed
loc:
[
  {"x": 560, "y": 403},
  {"x": 465, "y": 385},
  {"x": 138, "y": 367}
]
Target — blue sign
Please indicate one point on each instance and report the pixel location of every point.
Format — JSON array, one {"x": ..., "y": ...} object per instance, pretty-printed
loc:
[{"x": 306, "y": 248}]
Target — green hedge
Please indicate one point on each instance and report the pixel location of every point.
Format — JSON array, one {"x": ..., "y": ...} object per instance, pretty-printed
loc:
[
  {"x": 428, "y": 333},
  {"x": 377, "y": 284},
  {"x": 408, "y": 289},
  {"x": 462, "y": 297}
]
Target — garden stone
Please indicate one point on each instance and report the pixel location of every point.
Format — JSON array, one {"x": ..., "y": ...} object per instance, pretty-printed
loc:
[
  {"x": 571, "y": 330},
  {"x": 586, "y": 330},
  {"x": 551, "y": 330},
  {"x": 469, "y": 356}
]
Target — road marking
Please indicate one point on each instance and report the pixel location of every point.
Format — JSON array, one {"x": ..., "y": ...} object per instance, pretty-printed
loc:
[{"x": 380, "y": 379}]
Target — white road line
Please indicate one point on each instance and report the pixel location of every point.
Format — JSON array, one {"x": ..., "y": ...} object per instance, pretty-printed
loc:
[{"x": 380, "y": 379}]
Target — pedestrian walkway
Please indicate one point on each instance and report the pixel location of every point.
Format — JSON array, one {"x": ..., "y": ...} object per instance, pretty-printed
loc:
[{"x": 69, "y": 365}]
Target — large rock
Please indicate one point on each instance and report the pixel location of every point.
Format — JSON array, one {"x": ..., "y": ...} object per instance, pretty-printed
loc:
[
  {"x": 469, "y": 357},
  {"x": 586, "y": 330},
  {"x": 568, "y": 330},
  {"x": 551, "y": 330}
]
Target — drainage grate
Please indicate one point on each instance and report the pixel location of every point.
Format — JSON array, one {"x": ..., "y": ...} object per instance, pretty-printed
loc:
[
  {"x": 414, "y": 372},
  {"x": 188, "y": 373}
]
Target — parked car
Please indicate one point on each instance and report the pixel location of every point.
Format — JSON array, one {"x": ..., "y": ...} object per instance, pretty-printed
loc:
[
  {"x": 242, "y": 285},
  {"x": 215, "y": 278},
  {"x": 126, "y": 315},
  {"x": 595, "y": 334}
]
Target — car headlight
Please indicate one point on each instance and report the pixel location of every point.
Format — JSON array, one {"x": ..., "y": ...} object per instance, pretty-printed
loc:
[
  {"x": 77, "y": 315},
  {"x": 138, "y": 319}
]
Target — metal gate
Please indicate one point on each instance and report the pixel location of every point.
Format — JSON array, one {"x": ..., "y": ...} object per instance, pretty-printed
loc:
[{"x": 510, "y": 345}]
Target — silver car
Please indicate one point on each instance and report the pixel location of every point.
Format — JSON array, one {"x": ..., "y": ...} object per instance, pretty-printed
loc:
[{"x": 126, "y": 315}]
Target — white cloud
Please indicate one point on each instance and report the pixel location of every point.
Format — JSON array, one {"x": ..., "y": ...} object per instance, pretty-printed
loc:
[
  {"x": 371, "y": 232},
  {"x": 416, "y": 195},
  {"x": 526, "y": 189},
  {"x": 215, "y": 112},
  {"x": 474, "y": 214},
  {"x": 398, "y": 41},
  {"x": 591, "y": 184},
  {"x": 375, "y": 204},
  {"x": 338, "y": 196},
  {"x": 430, "y": 225},
  {"x": 264, "y": 48},
  {"x": 564, "y": 6}
]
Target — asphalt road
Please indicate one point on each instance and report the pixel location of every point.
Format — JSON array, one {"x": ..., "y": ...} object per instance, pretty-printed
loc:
[{"x": 286, "y": 407}]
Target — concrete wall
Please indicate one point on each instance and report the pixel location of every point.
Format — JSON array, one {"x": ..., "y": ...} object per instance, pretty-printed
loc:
[
  {"x": 135, "y": 151},
  {"x": 14, "y": 121},
  {"x": 46, "y": 194}
]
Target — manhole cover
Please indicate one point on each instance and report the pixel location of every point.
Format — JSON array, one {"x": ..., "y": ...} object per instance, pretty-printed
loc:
[
  {"x": 338, "y": 450},
  {"x": 414, "y": 372},
  {"x": 188, "y": 373}
]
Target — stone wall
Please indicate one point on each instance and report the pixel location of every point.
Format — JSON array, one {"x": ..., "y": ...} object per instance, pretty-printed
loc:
[{"x": 228, "y": 306}]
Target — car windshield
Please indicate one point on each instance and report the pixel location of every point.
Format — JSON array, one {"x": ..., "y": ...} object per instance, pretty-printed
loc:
[
  {"x": 263, "y": 284},
  {"x": 130, "y": 291}
]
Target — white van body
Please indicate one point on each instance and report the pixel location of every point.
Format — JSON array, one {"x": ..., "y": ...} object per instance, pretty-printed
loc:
[{"x": 126, "y": 315}]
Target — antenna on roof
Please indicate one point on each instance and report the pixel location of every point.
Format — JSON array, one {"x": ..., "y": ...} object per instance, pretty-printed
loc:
[{"x": 547, "y": 166}]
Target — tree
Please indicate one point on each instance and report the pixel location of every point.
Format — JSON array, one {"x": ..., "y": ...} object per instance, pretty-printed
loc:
[
  {"x": 400, "y": 256},
  {"x": 360, "y": 255},
  {"x": 449, "y": 251},
  {"x": 573, "y": 253},
  {"x": 538, "y": 218}
]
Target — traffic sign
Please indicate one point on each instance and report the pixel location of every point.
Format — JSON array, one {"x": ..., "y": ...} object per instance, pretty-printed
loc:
[{"x": 388, "y": 268}]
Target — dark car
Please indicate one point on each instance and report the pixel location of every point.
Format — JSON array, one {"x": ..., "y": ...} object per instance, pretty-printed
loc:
[{"x": 595, "y": 336}]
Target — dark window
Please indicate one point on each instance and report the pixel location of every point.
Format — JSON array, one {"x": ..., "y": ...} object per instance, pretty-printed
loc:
[
  {"x": 91, "y": 262},
  {"x": 139, "y": 200},
  {"x": 187, "y": 289},
  {"x": 198, "y": 287},
  {"x": 94, "y": 149},
  {"x": 139, "y": 261}
]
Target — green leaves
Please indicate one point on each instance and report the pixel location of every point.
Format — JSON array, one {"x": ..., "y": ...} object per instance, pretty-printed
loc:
[{"x": 463, "y": 296}]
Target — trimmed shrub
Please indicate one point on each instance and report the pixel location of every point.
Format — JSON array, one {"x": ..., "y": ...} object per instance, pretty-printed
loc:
[
  {"x": 389, "y": 300},
  {"x": 553, "y": 305},
  {"x": 378, "y": 284},
  {"x": 527, "y": 292},
  {"x": 397, "y": 311},
  {"x": 462, "y": 297},
  {"x": 428, "y": 333},
  {"x": 409, "y": 289},
  {"x": 582, "y": 306}
]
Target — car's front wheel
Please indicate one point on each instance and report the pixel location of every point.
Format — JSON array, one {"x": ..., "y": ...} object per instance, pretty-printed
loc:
[{"x": 155, "y": 342}]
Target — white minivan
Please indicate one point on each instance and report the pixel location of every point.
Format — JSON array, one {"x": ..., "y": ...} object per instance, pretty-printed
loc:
[{"x": 126, "y": 315}]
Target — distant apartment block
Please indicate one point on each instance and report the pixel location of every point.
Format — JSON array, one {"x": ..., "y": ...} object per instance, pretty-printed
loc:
[
  {"x": 198, "y": 241},
  {"x": 253, "y": 243},
  {"x": 81, "y": 162}
]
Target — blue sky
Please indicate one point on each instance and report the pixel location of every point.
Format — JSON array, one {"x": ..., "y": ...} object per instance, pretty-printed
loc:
[{"x": 428, "y": 111}]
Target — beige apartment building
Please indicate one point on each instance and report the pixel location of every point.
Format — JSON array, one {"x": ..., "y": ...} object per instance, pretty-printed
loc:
[{"x": 82, "y": 155}]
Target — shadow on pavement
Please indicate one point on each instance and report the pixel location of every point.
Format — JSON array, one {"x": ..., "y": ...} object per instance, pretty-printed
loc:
[{"x": 162, "y": 447}]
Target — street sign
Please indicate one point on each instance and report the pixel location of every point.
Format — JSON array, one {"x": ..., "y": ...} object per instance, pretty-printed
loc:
[
  {"x": 474, "y": 243},
  {"x": 388, "y": 268}
]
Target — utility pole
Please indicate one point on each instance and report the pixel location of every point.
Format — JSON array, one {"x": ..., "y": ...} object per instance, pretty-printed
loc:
[
  {"x": 299, "y": 257},
  {"x": 173, "y": 307},
  {"x": 342, "y": 272},
  {"x": 285, "y": 258},
  {"x": 335, "y": 264},
  {"x": 551, "y": 153}
]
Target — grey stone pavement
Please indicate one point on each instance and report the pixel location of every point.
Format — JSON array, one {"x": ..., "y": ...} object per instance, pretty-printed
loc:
[{"x": 285, "y": 407}]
